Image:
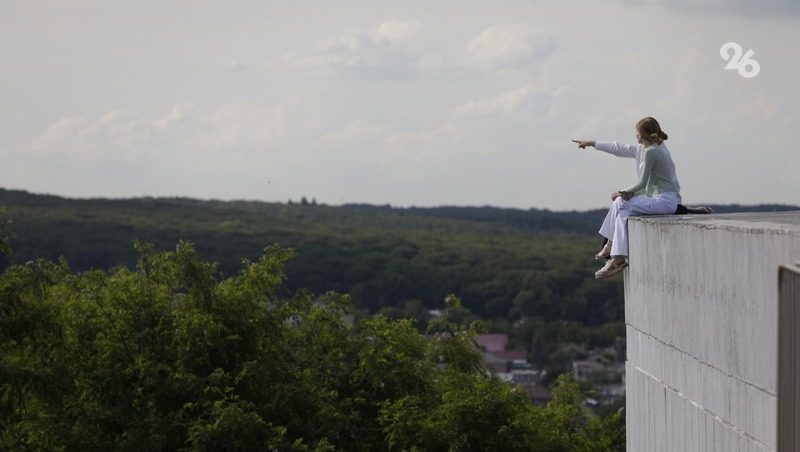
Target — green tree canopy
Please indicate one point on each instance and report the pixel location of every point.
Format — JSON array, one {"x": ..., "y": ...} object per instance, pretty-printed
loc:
[{"x": 171, "y": 356}]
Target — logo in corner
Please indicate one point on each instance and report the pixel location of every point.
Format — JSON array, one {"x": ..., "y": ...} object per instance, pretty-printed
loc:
[{"x": 741, "y": 62}]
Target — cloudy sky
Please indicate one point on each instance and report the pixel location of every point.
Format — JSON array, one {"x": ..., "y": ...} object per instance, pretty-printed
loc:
[{"x": 408, "y": 103}]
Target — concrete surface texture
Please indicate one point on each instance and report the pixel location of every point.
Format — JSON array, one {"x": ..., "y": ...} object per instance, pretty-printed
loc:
[
  {"x": 789, "y": 359},
  {"x": 701, "y": 308}
]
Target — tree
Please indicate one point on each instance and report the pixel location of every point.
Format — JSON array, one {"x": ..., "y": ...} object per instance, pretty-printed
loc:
[
  {"x": 575, "y": 428},
  {"x": 172, "y": 356}
]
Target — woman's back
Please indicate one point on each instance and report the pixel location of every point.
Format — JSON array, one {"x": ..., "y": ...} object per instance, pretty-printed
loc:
[
  {"x": 658, "y": 172},
  {"x": 663, "y": 178}
]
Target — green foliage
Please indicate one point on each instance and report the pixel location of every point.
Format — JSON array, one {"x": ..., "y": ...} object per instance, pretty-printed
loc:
[
  {"x": 504, "y": 263},
  {"x": 575, "y": 428},
  {"x": 171, "y": 355},
  {"x": 5, "y": 232},
  {"x": 473, "y": 412},
  {"x": 510, "y": 267}
]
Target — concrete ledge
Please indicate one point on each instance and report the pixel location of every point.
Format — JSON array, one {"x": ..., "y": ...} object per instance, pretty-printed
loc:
[{"x": 701, "y": 305}]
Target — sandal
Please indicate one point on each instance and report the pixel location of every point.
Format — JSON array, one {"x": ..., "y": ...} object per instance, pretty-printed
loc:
[
  {"x": 610, "y": 269},
  {"x": 604, "y": 253}
]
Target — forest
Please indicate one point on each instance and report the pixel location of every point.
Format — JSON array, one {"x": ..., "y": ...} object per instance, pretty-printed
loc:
[{"x": 528, "y": 273}]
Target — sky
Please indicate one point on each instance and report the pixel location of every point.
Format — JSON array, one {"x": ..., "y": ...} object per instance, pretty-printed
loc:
[{"x": 412, "y": 103}]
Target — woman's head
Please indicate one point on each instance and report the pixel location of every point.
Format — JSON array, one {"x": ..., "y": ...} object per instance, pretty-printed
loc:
[{"x": 648, "y": 130}]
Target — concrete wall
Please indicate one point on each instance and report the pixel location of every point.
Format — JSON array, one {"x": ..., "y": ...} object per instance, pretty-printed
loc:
[
  {"x": 701, "y": 308},
  {"x": 789, "y": 359}
]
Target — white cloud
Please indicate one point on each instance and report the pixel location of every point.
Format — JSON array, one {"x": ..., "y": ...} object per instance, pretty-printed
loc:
[
  {"x": 382, "y": 53},
  {"x": 510, "y": 46},
  {"x": 529, "y": 97},
  {"x": 236, "y": 126},
  {"x": 183, "y": 134},
  {"x": 396, "y": 30},
  {"x": 355, "y": 133},
  {"x": 121, "y": 133},
  {"x": 391, "y": 51}
]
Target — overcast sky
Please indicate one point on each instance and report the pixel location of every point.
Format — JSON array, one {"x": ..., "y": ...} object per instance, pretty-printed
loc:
[{"x": 420, "y": 103}]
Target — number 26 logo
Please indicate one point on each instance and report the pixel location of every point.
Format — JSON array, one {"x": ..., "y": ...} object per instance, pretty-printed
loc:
[{"x": 745, "y": 65}]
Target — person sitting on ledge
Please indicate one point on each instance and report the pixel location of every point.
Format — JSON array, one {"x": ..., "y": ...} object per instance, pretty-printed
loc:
[
  {"x": 636, "y": 152},
  {"x": 656, "y": 193}
]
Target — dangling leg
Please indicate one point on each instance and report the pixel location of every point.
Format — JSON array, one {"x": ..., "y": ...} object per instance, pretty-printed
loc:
[
  {"x": 638, "y": 205},
  {"x": 620, "y": 239},
  {"x": 607, "y": 229},
  {"x": 619, "y": 247}
]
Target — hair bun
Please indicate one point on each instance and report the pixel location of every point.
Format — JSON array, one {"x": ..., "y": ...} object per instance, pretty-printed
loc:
[{"x": 649, "y": 127}]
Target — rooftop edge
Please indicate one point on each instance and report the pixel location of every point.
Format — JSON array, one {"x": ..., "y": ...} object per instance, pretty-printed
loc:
[{"x": 780, "y": 222}]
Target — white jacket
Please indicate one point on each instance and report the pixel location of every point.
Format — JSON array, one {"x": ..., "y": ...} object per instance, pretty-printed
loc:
[{"x": 636, "y": 151}]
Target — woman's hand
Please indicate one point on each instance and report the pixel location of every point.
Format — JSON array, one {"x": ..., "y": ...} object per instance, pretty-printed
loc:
[
  {"x": 626, "y": 195},
  {"x": 583, "y": 143}
]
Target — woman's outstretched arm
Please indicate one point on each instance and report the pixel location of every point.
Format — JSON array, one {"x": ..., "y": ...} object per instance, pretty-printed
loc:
[
  {"x": 584, "y": 143},
  {"x": 612, "y": 147}
]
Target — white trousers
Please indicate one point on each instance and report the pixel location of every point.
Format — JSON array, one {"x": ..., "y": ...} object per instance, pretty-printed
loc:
[{"x": 615, "y": 226}]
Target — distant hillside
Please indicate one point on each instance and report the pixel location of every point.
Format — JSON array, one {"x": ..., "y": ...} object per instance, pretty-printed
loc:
[
  {"x": 505, "y": 263},
  {"x": 508, "y": 219},
  {"x": 586, "y": 222}
]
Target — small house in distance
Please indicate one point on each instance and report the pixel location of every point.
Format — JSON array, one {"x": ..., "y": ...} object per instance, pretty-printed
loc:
[{"x": 511, "y": 365}]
